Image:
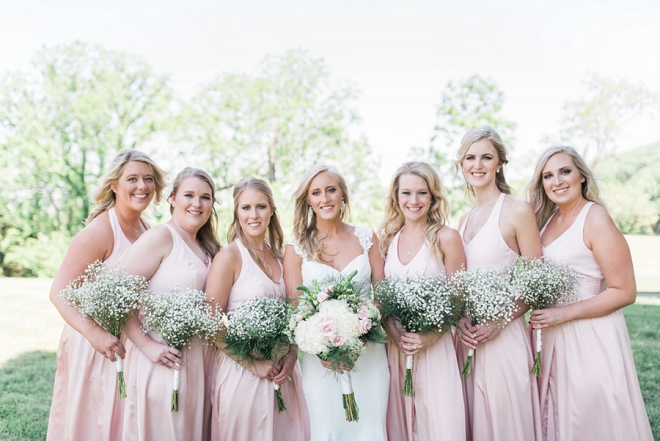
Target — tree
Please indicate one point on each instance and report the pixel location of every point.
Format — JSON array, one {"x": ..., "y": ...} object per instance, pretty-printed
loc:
[
  {"x": 463, "y": 106},
  {"x": 61, "y": 124},
  {"x": 278, "y": 123},
  {"x": 595, "y": 122}
]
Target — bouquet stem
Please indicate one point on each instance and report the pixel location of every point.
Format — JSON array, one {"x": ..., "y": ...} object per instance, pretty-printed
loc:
[
  {"x": 281, "y": 406},
  {"x": 467, "y": 369},
  {"x": 175, "y": 391},
  {"x": 121, "y": 387},
  {"x": 348, "y": 398},
  {"x": 536, "y": 369},
  {"x": 408, "y": 389}
]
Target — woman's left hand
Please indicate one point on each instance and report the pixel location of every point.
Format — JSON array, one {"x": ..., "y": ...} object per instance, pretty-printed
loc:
[
  {"x": 543, "y": 318},
  {"x": 483, "y": 333},
  {"x": 287, "y": 364},
  {"x": 411, "y": 343}
]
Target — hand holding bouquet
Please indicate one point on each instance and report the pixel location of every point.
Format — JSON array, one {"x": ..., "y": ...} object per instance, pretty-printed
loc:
[
  {"x": 109, "y": 297},
  {"x": 179, "y": 317},
  {"x": 420, "y": 304},
  {"x": 487, "y": 297},
  {"x": 256, "y": 330},
  {"x": 334, "y": 321},
  {"x": 542, "y": 284}
]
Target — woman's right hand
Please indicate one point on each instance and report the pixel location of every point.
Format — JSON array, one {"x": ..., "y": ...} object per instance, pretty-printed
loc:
[
  {"x": 264, "y": 369},
  {"x": 464, "y": 335},
  {"x": 105, "y": 343},
  {"x": 163, "y": 354}
]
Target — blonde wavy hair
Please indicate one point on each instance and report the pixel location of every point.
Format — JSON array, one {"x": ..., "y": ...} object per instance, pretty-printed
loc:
[
  {"x": 274, "y": 234},
  {"x": 542, "y": 205},
  {"x": 304, "y": 226},
  {"x": 103, "y": 196},
  {"x": 206, "y": 236},
  {"x": 436, "y": 218},
  {"x": 474, "y": 135}
]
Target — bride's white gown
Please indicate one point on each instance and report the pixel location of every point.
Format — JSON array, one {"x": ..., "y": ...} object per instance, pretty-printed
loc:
[{"x": 371, "y": 376}]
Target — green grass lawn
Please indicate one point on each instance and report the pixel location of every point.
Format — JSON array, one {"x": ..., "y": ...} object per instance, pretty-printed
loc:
[{"x": 26, "y": 382}]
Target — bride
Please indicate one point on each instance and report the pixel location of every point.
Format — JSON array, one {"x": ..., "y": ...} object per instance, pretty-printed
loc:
[{"x": 324, "y": 245}]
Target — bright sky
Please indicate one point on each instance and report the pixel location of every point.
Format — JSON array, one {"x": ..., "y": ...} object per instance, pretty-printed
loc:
[{"x": 400, "y": 55}]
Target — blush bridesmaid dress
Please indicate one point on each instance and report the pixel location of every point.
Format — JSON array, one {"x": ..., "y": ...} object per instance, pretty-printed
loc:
[
  {"x": 437, "y": 410},
  {"x": 85, "y": 404},
  {"x": 588, "y": 385},
  {"x": 501, "y": 394},
  {"x": 148, "y": 415},
  {"x": 244, "y": 405}
]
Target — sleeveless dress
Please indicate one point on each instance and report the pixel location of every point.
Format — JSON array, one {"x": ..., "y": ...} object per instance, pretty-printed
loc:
[
  {"x": 589, "y": 387},
  {"x": 147, "y": 415},
  {"x": 501, "y": 394},
  {"x": 370, "y": 377},
  {"x": 437, "y": 410},
  {"x": 85, "y": 404},
  {"x": 244, "y": 405}
]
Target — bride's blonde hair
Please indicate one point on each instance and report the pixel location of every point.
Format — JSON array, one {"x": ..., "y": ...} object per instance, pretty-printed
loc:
[
  {"x": 304, "y": 226},
  {"x": 436, "y": 218}
]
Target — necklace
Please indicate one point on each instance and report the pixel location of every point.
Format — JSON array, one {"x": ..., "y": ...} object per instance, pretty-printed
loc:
[
  {"x": 415, "y": 244},
  {"x": 135, "y": 230}
]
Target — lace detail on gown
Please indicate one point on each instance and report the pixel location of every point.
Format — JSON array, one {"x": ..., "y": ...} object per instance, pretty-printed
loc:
[{"x": 370, "y": 378}]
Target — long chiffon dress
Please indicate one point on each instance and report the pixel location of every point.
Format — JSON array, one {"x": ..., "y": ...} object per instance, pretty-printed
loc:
[
  {"x": 437, "y": 410},
  {"x": 244, "y": 405},
  {"x": 85, "y": 404},
  {"x": 501, "y": 394},
  {"x": 148, "y": 415},
  {"x": 588, "y": 385},
  {"x": 370, "y": 377}
]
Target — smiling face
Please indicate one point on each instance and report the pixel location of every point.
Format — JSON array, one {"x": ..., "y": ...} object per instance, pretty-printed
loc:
[
  {"x": 192, "y": 204},
  {"x": 325, "y": 195},
  {"x": 254, "y": 213},
  {"x": 480, "y": 164},
  {"x": 414, "y": 198},
  {"x": 562, "y": 181},
  {"x": 135, "y": 187}
]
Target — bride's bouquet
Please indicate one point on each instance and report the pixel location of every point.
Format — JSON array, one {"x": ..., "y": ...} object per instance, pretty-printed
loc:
[
  {"x": 419, "y": 304},
  {"x": 542, "y": 284},
  {"x": 109, "y": 297},
  {"x": 334, "y": 321},
  {"x": 256, "y": 330},
  {"x": 179, "y": 317},
  {"x": 487, "y": 297}
]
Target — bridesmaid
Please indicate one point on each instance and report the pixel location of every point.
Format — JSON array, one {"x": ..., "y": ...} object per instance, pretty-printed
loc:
[
  {"x": 84, "y": 403},
  {"x": 501, "y": 394},
  {"x": 244, "y": 405},
  {"x": 415, "y": 240},
  {"x": 589, "y": 388},
  {"x": 177, "y": 253}
]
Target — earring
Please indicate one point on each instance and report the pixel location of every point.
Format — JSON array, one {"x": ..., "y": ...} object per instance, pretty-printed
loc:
[
  {"x": 498, "y": 170},
  {"x": 310, "y": 212},
  {"x": 343, "y": 206}
]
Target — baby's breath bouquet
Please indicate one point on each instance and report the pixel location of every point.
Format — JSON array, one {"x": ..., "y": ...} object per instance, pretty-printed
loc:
[
  {"x": 109, "y": 297},
  {"x": 420, "y": 304},
  {"x": 256, "y": 331},
  {"x": 487, "y": 297},
  {"x": 542, "y": 284},
  {"x": 334, "y": 322},
  {"x": 180, "y": 316}
]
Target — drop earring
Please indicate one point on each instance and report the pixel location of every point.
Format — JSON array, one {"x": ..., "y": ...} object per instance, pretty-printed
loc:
[
  {"x": 343, "y": 206},
  {"x": 310, "y": 212},
  {"x": 498, "y": 170}
]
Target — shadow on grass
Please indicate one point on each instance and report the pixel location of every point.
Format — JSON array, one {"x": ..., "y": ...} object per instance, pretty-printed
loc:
[
  {"x": 644, "y": 334},
  {"x": 26, "y": 388}
]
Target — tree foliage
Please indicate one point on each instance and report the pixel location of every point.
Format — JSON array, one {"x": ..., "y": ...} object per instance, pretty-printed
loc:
[
  {"x": 595, "y": 122},
  {"x": 465, "y": 105},
  {"x": 60, "y": 126}
]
